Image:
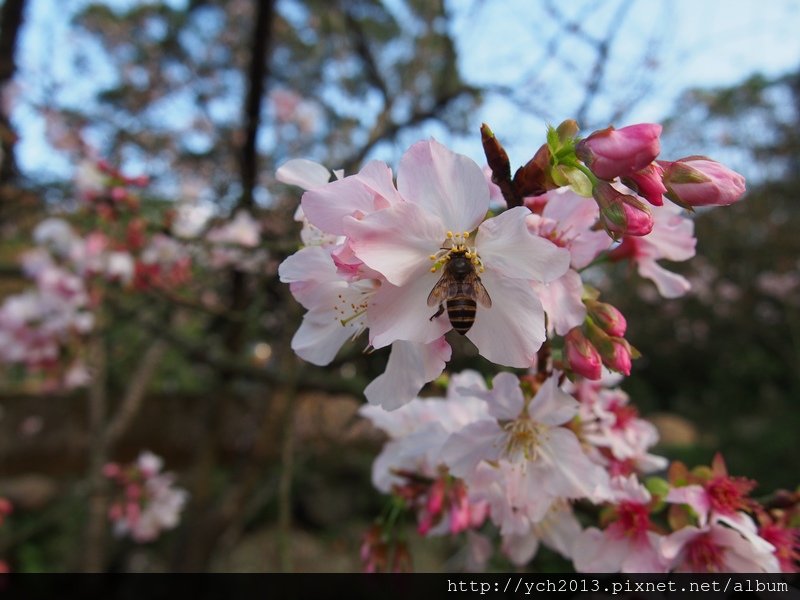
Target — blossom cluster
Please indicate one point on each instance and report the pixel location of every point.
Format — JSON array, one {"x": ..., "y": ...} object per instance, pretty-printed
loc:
[
  {"x": 146, "y": 501},
  {"x": 511, "y": 263},
  {"x": 109, "y": 243},
  {"x": 527, "y": 455},
  {"x": 382, "y": 257}
]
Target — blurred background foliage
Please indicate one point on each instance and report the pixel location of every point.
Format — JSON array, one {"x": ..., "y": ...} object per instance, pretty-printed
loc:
[{"x": 208, "y": 98}]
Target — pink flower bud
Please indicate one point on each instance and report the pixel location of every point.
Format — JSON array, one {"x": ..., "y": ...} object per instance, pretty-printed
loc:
[
  {"x": 582, "y": 357},
  {"x": 611, "y": 153},
  {"x": 648, "y": 183},
  {"x": 700, "y": 181},
  {"x": 607, "y": 317},
  {"x": 622, "y": 214},
  {"x": 460, "y": 513},
  {"x": 619, "y": 359},
  {"x": 615, "y": 352},
  {"x": 436, "y": 497}
]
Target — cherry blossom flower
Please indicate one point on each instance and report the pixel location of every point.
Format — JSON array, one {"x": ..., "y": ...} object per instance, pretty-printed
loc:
[
  {"x": 419, "y": 429},
  {"x": 443, "y": 197},
  {"x": 776, "y": 530},
  {"x": 559, "y": 530},
  {"x": 719, "y": 498},
  {"x": 715, "y": 548},
  {"x": 148, "y": 501},
  {"x": 628, "y": 544},
  {"x": 567, "y": 220},
  {"x": 242, "y": 230},
  {"x": 336, "y": 304},
  {"x": 619, "y": 439},
  {"x": 522, "y": 459}
]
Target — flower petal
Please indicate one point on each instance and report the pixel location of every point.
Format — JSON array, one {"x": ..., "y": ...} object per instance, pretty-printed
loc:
[
  {"x": 551, "y": 405},
  {"x": 303, "y": 173},
  {"x": 410, "y": 367},
  {"x": 520, "y": 549},
  {"x": 505, "y": 400},
  {"x": 320, "y": 337},
  {"x": 594, "y": 552},
  {"x": 463, "y": 450},
  {"x": 512, "y": 330},
  {"x": 505, "y": 245},
  {"x": 669, "y": 284},
  {"x": 562, "y": 302},
  {"x": 397, "y": 241},
  {"x": 357, "y": 195},
  {"x": 402, "y": 313},
  {"x": 447, "y": 184},
  {"x": 571, "y": 473}
]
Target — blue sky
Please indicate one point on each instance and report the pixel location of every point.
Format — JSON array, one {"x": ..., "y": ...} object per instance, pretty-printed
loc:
[{"x": 697, "y": 43}]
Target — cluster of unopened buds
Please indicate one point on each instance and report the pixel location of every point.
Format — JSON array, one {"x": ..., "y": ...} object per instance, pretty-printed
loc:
[
  {"x": 146, "y": 500},
  {"x": 507, "y": 261}
]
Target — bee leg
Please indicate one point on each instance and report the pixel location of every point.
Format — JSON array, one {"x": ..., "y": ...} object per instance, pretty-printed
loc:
[{"x": 438, "y": 312}]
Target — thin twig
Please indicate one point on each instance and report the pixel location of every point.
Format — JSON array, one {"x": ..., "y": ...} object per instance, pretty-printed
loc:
[
  {"x": 96, "y": 520},
  {"x": 133, "y": 399}
]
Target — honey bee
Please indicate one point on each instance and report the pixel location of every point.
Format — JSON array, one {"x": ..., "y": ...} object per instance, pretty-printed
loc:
[{"x": 461, "y": 290}]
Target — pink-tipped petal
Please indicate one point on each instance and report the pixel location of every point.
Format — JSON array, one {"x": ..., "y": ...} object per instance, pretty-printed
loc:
[
  {"x": 444, "y": 183},
  {"x": 397, "y": 241}
]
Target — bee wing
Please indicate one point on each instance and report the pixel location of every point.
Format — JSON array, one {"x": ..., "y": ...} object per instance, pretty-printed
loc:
[
  {"x": 441, "y": 291},
  {"x": 472, "y": 287}
]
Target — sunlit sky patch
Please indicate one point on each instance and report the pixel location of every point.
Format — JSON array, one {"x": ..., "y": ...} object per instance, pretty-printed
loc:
[{"x": 683, "y": 43}]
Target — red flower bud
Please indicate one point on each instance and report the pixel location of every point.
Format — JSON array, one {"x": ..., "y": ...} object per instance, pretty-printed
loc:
[
  {"x": 611, "y": 153},
  {"x": 648, "y": 183},
  {"x": 607, "y": 317},
  {"x": 619, "y": 359},
  {"x": 582, "y": 357},
  {"x": 700, "y": 181},
  {"x": 615, "y": 352},
  {"x": 622, "y": 214}
]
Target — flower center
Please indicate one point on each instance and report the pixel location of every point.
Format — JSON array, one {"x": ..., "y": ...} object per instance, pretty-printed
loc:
[
  {"x": 728, "y": 494},
  {"x": 633, "y": 521},
  {"x": 704, "y": 555},
  {"x": 524, "y": 437},
  {"x": 456, "y": 243},
  {"x": 351, "y": 305}
]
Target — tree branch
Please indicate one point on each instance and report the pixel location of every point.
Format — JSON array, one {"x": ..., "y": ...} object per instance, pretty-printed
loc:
[
  {"x": 257, "y": 74},
  {"x": 11, "y": 16},
  {"x": 132, "y": 401}
]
